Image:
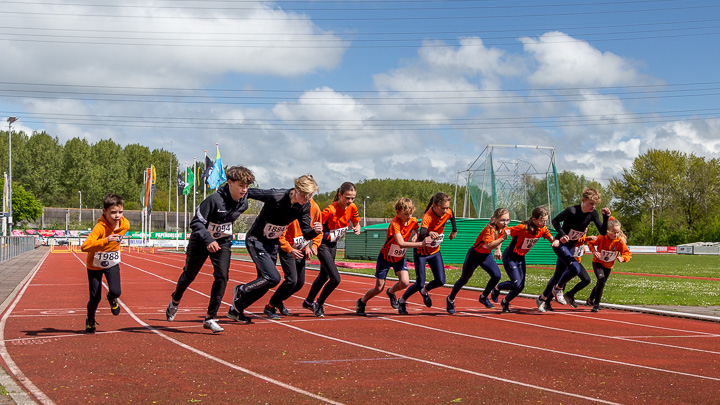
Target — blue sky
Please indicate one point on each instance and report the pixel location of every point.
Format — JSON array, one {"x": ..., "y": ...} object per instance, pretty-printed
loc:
[{"x": 348, "y": 90}]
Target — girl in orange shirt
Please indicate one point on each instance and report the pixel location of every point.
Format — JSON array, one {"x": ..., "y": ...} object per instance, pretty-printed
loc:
[
  {"x": 489, "y": 241},
  {"x": 401, "y": 235},
  {"x": 524, "y": 237},
  {"x": 437, "y": 213},
  {"x": 606, "y": 249},
  {"x": 335, "y": 219}
]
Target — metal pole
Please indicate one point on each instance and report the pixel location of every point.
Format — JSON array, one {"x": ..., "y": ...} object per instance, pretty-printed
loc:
[
  {"x": 80, "y": 212},
  {"x": 194, "y": 182},
  {"x": 204, "y": 183},
  {"x": 10, "y": 121},
  {"x": 170, "y": 176}
]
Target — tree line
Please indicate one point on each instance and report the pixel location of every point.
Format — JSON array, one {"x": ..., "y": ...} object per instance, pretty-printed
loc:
[{"x": 665, "y": 198}]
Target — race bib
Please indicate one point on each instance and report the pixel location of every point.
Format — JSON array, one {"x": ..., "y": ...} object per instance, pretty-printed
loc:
[
  {"x": 436, "y": 242},
  {"x": 608, "y": 255},
  {"x": 579, "y": 251},
  {"x": 300, "y": 243},
  {"x": 528, "y": 243},
  {"x": 336, "y": 234},
  {"x": 220, "y": 230},
  {"x": 273, "y": 231},
  {"x": 106, "y": 259},
  {"x": 396, "y": 251},
  {"x": 575, "y": 235}
]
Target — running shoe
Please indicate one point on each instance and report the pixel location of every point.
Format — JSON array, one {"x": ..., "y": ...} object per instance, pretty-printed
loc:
[
  {"x": 505, "y": 306},
  {"x": 393, "y": 299},
  {"x": 549, "y": 307},
  {"x": 402, "y": 308},
  {"x": 494, "y": 294},
  {"x": 449, "y": 306},
  {"x": 426, "y": 299},
  {"x": 114, "y": 306},
  {"x": 360, "y": 307},
  {"x": 571, "y": 300},
  {"x": 307, "y": 305},
  {"x": 269, "y": 311},
  {"x": 485, "y": 301},
  {"x": 589, "y": 303},
  {"x": 283, "y": 311},
  {"x": 540, "y": 304},
  {"x": 171, "y": 311},
  {"x": 237, "y": 296},
  {"x": 318, "y": 309},
  {"x": 238, "y": 316},
  {"x": 89, "y": 325},
  {"x": 213, "y": 325},
  {"x": 559, "y": 296},
  {"x": 595, "y": 308}
]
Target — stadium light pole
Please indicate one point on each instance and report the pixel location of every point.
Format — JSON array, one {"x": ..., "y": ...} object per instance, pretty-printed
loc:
[
  {"x": 10, "y": 121},
  {"x": 365, "y": 217},
  {"x": 80, "y": 212}
]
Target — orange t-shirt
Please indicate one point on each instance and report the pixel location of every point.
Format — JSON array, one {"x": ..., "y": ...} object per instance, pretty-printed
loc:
[
  {"x": 609, "y": 250},
  {"x": 433, "y": 223},
  {"x": 523, "y": 240},
  {"x": 293, "y": 238},
  {"x": 390, "y": 251},
  {"x": 335, "y": 221},
  {"x": 486, "y": 236}
]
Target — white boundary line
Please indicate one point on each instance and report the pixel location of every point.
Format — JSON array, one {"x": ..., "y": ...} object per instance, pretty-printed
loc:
[{"x": 12, "y": 367}]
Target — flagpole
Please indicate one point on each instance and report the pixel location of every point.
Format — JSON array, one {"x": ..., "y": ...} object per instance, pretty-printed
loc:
[
  {"x": 185, "y": 204},
  {"x": 204, "y": 182},
  {"x": 194, "y": 182},
  {"x": 177, "y": 208}
]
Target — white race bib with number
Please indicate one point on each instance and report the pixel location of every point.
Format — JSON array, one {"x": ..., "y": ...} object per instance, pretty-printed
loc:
[
  {"x": 336, "y": 234},
  {"x": 300, "y": 243},
  {"x": 273, "y": 231},
  {"x": 106, "y": 259},
  {"x": 396, "y": 251},
  {"x": 608, "y": 255},
  {"x": 575, "y": 235},
  {"x": 528, "y": 243},
  {"x": 436, "y": 242},
  {"x": 220, "y": 230},
  {"x": 579, "y": 251}
]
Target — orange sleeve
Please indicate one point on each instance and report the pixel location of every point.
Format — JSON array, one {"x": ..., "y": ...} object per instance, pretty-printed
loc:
[
  {"x": 316, "y": 217},
  {"x": 285, "y": 245},
  {"x": 625, "y": 252},
  {"x": 327, "y": 213},
  {"x": 96, "y": 240}
]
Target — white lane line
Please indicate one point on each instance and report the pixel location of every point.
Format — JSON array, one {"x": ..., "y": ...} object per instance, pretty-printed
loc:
[
  {"x": 436, "y": 364},
  {"x": 12, "y": 367}
]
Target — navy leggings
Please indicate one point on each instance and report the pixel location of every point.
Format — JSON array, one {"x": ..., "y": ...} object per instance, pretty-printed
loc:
[
  {"x": 515, "y": 268},
  {"x": 473, "y": 259},
  {"x": 602, "y": 273},
  {"x": 560, "y": 269},
  {"x": 112, "y": 275},
  {"x": 572, "y": 267},
  {"x": 435, "y": 262}
]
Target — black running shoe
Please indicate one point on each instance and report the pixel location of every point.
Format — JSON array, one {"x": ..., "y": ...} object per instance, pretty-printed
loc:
[
  {"x": 494, "y": 294},
  {"x": 571, "y": 300},
  {"x": 237, "y": 296},
  {"x": 548, "y": 307},
  {"x": 114, "y": 306},
  {"x": 89, "y": 325},
  {"x": 427, "y": 300},
  {"x": 269, "y": 311},
  {"x": 393, "y": 299},
  {"x": 318, "y": 309},
  {"x": 307, "y": 305},
  {"x": 238, "y": 316},
  {"x": 595, "y": 308},
  {"x": 505, "y": 306},
  {"x": 449, "y": 306},
  {"x": 485, "y": 301},
  {"x": 589, "y": 303},
  {"x": 360, "y": 307},
  {"x": 283, "y": 311},
  {"x": 402, "y": 309}
]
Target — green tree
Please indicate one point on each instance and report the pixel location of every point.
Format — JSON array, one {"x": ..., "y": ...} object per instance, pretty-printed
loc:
[{"x": 25, "y": 207}]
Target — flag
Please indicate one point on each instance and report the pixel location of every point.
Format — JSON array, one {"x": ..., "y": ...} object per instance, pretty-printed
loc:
[
  {"x": 208, "y": 168},
  {"x": 152, "y": 175},
  {"x": 180, "y": 184},
  {"x": 217, "y": 175},
  {"x": 190, "y": 181},
  {"x": 198, "y": 175}
]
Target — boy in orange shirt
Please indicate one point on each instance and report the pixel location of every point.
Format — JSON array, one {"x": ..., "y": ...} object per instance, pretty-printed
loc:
[
  {"x": 103, "y": 257},
  {"x": 401, "y": 235}
]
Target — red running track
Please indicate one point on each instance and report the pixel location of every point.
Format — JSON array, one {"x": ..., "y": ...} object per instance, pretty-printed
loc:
[{"x": 475, "y": 356}]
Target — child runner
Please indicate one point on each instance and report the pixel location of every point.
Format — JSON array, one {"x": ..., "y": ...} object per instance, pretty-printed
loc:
[
  {"x": 578, "y": 252},
  {"x": 335, "y": 220},
  {"x": 401, "y": 234},
  {"x": 524, "y": 237},
  {"x": 575, "y": 220},
  {"x": 607, "y": 248},
  {"x": 437, "y": 213},
  {"x": 489, "y": 241},
  {"x": 212, "y": 229},
  {"x": 280, "y": 208},
  {"x": 294, "y": 250},
  {"x": 103, "y": 257}
]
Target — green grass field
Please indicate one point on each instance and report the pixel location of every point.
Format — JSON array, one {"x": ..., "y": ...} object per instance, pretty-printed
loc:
[{"x": 620, "y": 289}]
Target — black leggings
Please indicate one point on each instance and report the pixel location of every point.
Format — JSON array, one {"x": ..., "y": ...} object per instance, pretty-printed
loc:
[
  {"x": 329, "y": 277},
  {"x": 294, "y": 270},
  {"x": 602, "y": 273},
  {"x": 112, "y": 275}
]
